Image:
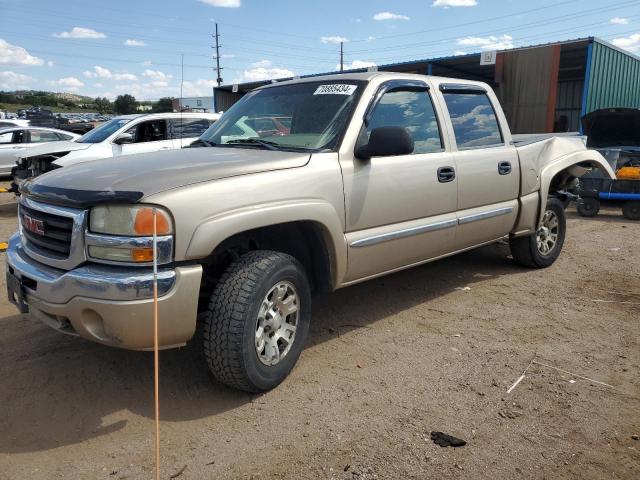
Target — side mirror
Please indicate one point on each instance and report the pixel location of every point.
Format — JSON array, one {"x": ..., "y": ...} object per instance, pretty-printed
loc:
[
  {"x": 124, "y": 138},
  {"x": 385, "y": 142}
]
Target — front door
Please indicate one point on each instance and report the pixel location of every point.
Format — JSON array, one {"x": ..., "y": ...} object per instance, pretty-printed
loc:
[
  {"x": 148, "y": 136},
  {"x": 400, "y": 210}
]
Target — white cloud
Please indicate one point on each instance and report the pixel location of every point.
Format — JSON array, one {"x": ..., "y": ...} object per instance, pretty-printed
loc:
[
  {"x": 263, "y": 70},
  {"x": 127, "y": 77},
  {"x": 80, "y": 32},
  {"x": 98, "y": 85},
  {"x": 147, "y": 63},
  {"x": 98, "y": 72},
  {"x": 389, "y": 16},
  {"x": 454, "y": 3},
  {"x": 13, "y": 81},
  {"x": 370, "y": 39},
  {"x": 156, "y": 75},
  {"x": 333, "y": 39},
  {"x": 619, "y": 21},
  {"x": 630, "y": 43},
  {"x": 102, "y": 72},
  {"x": 357, "y": 64},
  {"x": 199, "y": 88},
  {"x": 134, "y": 43},
  {"x": 50, "y": 63},
  {"x": 15, "y": 55},
  {"x": 492, "y": 42},
  {"x": 69, "y": 84},
  {"x": 222, "y": 3},
  {"x": 459, "y": 52}
]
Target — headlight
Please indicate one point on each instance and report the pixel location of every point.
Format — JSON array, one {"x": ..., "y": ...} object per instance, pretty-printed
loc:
[
  {"x": 131, "y": 220},
  {"x": 123, "y": 233}
]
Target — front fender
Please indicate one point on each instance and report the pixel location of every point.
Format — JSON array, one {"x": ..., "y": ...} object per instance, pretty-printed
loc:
[
  {"x": 574, "y": 164},
  {"x": 213, "y": 231}
]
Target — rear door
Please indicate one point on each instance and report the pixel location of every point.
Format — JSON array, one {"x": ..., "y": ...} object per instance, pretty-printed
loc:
[{"x": 487, "y": 166}]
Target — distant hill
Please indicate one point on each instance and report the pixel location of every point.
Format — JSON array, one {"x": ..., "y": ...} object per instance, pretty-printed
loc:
[{"x": 58, "y": 101}]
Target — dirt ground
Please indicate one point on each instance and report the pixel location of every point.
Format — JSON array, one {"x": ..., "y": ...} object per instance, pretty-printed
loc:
[{"x": 387, "y": 362}]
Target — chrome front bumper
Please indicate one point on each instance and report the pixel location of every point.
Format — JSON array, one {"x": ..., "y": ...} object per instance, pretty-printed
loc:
[{"x": 107, "y": 304}]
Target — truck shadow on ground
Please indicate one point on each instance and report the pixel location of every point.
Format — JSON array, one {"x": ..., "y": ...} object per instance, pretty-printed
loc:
[{"x": 59, "y": 390}]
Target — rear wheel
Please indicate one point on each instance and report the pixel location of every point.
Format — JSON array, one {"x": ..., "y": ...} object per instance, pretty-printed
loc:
[
  {"x": 541, "y": 249},
  {"x": 588, "y": 207},
  {"x": 257, "y": 321},
  {"x": 631, "y": 210}
]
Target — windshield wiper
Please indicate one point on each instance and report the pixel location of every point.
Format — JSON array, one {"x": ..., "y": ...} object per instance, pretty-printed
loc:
[
  {"x": 255, "y": 141},
  {"x": 201, "y": 143}
]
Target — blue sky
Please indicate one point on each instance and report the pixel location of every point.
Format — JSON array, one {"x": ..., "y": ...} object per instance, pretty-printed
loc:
[{"x": 107, "y": 48}]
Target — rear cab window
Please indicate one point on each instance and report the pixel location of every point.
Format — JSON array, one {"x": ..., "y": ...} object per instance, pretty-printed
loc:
[{"x": 474, "y": 119}]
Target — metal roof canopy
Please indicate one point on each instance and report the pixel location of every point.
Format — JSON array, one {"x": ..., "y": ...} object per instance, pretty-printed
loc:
[{"x": 463, "y": 65}]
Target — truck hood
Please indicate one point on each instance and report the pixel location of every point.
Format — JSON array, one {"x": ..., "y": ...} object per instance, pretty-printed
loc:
[
  {"x": 116, "y": 179},
  {"x": 56, "y": 147},
  {"x": 612, "y": 127}
]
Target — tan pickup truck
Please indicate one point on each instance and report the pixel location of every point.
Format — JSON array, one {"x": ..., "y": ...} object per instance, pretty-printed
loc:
[{"x": 366, "y": 174}]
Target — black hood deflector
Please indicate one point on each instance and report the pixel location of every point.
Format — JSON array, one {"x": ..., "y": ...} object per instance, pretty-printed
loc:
[{"x": 69, "y": 197}]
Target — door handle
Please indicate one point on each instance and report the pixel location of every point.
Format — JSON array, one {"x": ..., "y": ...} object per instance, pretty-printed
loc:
[
  {"x": 446, "y": 174},
  {"x": 504, "y": 168},
  {"x": 164, "y": 148}
]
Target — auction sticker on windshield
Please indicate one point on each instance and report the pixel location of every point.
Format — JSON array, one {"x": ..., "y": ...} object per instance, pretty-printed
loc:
[{"x": 335, "y": 89}]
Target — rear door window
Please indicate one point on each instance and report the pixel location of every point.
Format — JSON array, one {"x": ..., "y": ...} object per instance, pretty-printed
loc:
[
  {"x": 188, "y": 127},
  {"x": 41, "y": 136},
  {"x": 474, "y": 121}
]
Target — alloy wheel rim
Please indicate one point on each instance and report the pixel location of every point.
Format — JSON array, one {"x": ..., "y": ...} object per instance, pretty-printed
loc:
[
  {"x": 277, "y": 323},
  {"x": 547, "y": 234}
]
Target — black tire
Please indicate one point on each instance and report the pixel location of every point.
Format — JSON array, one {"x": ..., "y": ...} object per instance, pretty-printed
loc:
[
  {"x": 229, "y": 333},
  {"x": 588, "y": 207},
  {"x": 631, "y": 210},
  {"x": 525, "y": 250}
]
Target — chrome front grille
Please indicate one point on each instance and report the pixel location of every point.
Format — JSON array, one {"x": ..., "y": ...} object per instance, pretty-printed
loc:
[
  {"x": 54, "y": 235},
  {"x": 51, "y": 234}
]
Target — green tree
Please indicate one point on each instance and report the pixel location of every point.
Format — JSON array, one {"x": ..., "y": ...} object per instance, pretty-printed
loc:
[
  {"x": 125, "y": 104},
  {"x": 103, "y": 105},
  {"x": 165, "y": 104}
]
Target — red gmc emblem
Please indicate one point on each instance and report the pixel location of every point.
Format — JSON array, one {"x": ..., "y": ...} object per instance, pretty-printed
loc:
[{"x": 33, "y": 225}]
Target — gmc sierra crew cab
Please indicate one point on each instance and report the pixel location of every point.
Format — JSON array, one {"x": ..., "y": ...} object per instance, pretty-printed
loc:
[{"x": 370, "y": 174}]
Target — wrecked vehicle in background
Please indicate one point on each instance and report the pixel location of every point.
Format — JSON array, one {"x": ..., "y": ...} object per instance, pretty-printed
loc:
[
  {"x": 124, "y": 135},
  {"x": 615, "y": 133},
  {"x": 377, "y": 172}
]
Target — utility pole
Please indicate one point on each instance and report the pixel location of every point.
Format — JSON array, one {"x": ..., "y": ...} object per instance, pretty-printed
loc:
[
  {"x": 341, "y": 56},
  {"x": 217, "y": 57}
]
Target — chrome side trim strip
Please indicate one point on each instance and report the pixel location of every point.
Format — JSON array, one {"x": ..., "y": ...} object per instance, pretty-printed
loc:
[
  {"x": 482, "y": 215},
  {"x": 407, "y": 232}
]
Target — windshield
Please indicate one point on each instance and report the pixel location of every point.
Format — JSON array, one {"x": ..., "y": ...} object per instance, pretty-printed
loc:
[
  {"x": 104, "y": 131},
  {"x": 308, "y": 116}
]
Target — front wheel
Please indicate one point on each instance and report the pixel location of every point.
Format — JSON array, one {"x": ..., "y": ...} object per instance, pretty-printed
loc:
[
  {"x": 257, "y": 321},
  {"x": 541, "y": 249}
]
